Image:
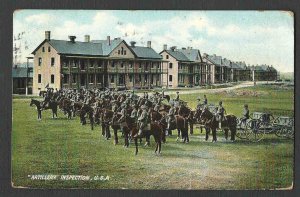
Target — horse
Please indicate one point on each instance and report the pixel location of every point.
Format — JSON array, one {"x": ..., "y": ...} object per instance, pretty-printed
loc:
[
  {"x": 181, "y": 124},
  {"x": 229, "y": 122},
  {"x": 38, "y": 107},
  {"x": 53, "y": 106},
  {"x": 87, "y": 109},
  {"x": 155, "y": 130}
]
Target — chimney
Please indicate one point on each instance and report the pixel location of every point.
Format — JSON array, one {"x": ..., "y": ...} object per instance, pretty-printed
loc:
[
  {"x": 47, "y": 35},
  {"x": 132, "y": 43},
  {"x": 87, "y": 38},
  {"x": 165, "y": 47},
  {"x": 72, "y": 38},
  {"x": 173, "y": 48},
  {"x": 108, "y": 40},
  {"x": 149, "y": 44},
  {"x": 205, "y": 55}
]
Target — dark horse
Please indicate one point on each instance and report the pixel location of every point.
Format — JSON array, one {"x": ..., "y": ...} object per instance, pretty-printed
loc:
[
  {"x": 38, "y": 107},
  {"x": 181, "y": 124},
  {"x": 155, "y": 130},
  {"x": 53, "y": 106},
  {"x": 229, "y": 122}
]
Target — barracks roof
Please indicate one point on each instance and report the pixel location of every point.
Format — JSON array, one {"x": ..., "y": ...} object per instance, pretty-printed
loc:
[
  {"x": 145, "y": 52},
  {"x": 21, "y": 72},
  {"x": 191, "y": 54},
  {"x": 178, "y": 55}
]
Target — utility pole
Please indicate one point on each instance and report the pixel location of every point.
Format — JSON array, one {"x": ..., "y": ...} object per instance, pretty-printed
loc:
[{"x": 27, "y": 72}]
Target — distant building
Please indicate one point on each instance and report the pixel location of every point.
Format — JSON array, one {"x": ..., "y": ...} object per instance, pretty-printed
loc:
[
  {"x": 185, "y": 67},
  {"x": 108, "y": 63},
  {"x": 263, "y": 73},
  {"x": 21, "y": 75}
]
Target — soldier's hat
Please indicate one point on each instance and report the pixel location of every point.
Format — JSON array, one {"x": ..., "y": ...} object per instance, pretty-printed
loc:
[
  {"x": 198, "y": 98},
  {"x": 220, "y": 103},
  {"x": 143, "y": 107},
  {"x": 246, "y": 105},
  {"x": 177, "y": 92}
]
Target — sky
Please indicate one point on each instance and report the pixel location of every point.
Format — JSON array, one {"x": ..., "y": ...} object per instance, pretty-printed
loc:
[{"x": 256, "y": 37}]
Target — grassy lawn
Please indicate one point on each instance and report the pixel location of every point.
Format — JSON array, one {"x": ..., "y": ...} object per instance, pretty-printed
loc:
[{"x": 64, "y": 147}]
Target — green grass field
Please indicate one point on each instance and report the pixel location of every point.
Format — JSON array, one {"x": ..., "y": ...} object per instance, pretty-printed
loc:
[{"x": 64, "y": 147}]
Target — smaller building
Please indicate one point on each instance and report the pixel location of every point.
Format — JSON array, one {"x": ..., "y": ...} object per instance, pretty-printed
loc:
[
  {"x": 22, "y": 75},
  {"x": 263, "y": 73}
]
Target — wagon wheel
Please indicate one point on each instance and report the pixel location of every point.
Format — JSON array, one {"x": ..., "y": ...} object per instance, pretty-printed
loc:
[
  {"x": 281, "y": 131},
  {"x": 290, "y": 130},
  {"x": 255, "y": 130},
  {"x": 241, "y": 131}
]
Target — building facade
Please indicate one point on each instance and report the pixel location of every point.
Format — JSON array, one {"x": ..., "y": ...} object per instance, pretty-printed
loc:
[{"x": 95, "y": 64}]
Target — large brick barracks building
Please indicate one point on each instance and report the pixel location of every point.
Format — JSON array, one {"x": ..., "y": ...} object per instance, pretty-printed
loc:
[{"x": 113, "y": 63}]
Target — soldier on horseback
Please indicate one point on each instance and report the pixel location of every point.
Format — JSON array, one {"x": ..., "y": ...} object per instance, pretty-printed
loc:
[
  {"x": 245, "y": 114},
  {"x": 177, "y": 96},
  {"x": 205, "y": 100},
  {"x": 171, "y": 116},
  {"x": 199, "y": 105},
  {"x": 220, "y": 113},
  {"x": 134, "y": 113},
  {"x": 143, "y": 120}
]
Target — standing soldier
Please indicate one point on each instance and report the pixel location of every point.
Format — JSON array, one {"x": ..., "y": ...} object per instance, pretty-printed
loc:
[
  {"x": 143, "y": 120},
  {"x": 114, "y": 106}
]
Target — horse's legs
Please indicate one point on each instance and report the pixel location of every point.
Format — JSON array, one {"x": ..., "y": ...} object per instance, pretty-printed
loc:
[
  {"x": 108, "y": 132},
  {"x": 116, "y": 136},
  {"x": 136, "y": 146},
  {"x": 147, "y": 140},
  {"x": 214, "y": 133},
  {"x": 126, "y": 140},
  {"x": 191, "y": 128},
  {"x": 103, "y": 129},
  {"x": 207, "y": 133},
  {"x": 233, "y": 133},
  {"x": 226, "y": 133}
]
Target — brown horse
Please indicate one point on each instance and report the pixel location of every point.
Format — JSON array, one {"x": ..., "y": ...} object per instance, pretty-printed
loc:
[
  {"x": 155, "y": 130},
  {"x": 228, "y": 123},
  {"x": 122, "y": 125},
  {"x": 181, "y": 124}
]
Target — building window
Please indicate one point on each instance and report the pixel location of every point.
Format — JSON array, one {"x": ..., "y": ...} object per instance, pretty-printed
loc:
[
  {"x": 146, "y": 78},
  {"x": 181, "y": 78},
  {"x": 167, "y": 56},
  {"x": 91, "y": 64},
  {"x": 40, "y": 61},
  {"x": 112, "y": 79},
  {"x": 140, "y": 77},
  {"x": 39, "y": 78},
  {"x": 66, "y": 78},
  {"x": 140, "y": 65},
  {"x": 52, "y": 78},
  {"x": 52, "y": 61},
  {"x": 124, "y": 52},
  {"x": 119, "y": 52},
  {"x": 113, "y": 64},
  {"x": 99, "y": 78},
  {"x": 92, "y": 77},
  {"x": 170, "y": 78},
  {"x": 130, "y": 65},
  {"x": 49, "y": 49},
  {"x": 74, "y": 76},
  {"x": 170, "y": 65},
  {"x": 130, "y": 78},
  {"x": 99, "y": 64},
  {"x": 122, "y": 65},
  {"x": 43, "y": 49}
]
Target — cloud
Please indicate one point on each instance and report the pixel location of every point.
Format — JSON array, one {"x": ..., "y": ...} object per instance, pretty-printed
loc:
[
  {"x": 254, "y": 44},
  {"x": 40, "y": 19}
]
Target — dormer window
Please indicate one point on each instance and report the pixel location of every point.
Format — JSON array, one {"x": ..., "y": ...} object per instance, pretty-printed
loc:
[
  {"x": 167, "y": 56},
  {"x": 49, "y": 49},
  {"x": 43, "y": 49}
]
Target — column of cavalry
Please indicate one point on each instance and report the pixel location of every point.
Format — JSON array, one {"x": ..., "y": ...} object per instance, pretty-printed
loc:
[{"x": 135, "y": 116}]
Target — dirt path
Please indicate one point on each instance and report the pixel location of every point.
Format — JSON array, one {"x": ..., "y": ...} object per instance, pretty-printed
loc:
[{"x": 199, "y": 90}]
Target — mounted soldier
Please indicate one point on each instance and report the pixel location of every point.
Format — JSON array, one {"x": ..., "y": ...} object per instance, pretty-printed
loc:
[
  {"x": 134, "y": 113},
  {"x": 205, "y": 100},
  {"x": 171, "y": 116},
  {"x": 220, "y": 113},
  {"x": 177, "y": 96},
  {"x": 143, "y": 120},
  {"x": 123, "y": 113},
  {"x": 157, "y": 107},
  {"x": 246, "y": 115},
  {"x": 199, "y": 105}
]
